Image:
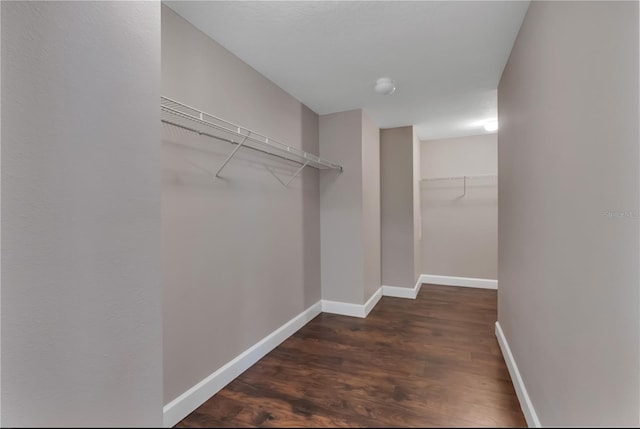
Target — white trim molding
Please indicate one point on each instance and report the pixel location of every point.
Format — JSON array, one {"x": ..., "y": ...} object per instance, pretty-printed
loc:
[
  {"x": 371, "y": 302},
  {"x": 459, "y": 281},
  {"x": 184, "y": 404},
  {"x": 349, "y": 309},
  {"x": 404, "y": 292},
  {"x": 525, "y": 401}
]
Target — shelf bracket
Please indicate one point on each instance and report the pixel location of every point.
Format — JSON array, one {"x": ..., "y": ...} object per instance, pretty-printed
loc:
[
  {"x": 233, "y": 152},
  {"x": 293, "y": 176},
  {"x": 296, "y": 173}
]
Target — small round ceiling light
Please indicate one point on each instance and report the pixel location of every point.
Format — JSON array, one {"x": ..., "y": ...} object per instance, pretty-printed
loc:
[
  {"x": 385, "y": 86},
  {"x": 491, "y": 125}
]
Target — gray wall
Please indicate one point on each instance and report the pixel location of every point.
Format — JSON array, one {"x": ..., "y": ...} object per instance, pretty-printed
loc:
[
  {"x": 241, "y": 253},
  {"x": 341, "y": 203},
  {"x": 569, "y": 209},
  {"x": 81, "y": 286},
  {"x": 417, "y": 210},
  {"x": 397, "y": 207},
  {"x": 1, "y": 418},
  {"x": 460, "y": 233},
  {"x": 350, "y": 201},
  {"x": 371, "y": 204}
]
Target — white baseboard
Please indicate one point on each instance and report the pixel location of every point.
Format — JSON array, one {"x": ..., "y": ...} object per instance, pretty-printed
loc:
[
  {"x": 371, "y": 302},
  {"x": 525, "y": 401},
  {"x": 459, "y": 281},
  {"x": 403, "y": 292},
  {"x": 353, "y": 310},
  {"x": 184, "y": 404}
]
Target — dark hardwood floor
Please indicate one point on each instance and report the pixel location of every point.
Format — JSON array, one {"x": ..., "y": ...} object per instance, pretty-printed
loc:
[{"x": 433, "y": 361}]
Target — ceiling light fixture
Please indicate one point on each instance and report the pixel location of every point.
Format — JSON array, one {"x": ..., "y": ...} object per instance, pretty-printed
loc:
[
  {"x": 385, "y": 86},
  {"x": 491, "y": 125}
]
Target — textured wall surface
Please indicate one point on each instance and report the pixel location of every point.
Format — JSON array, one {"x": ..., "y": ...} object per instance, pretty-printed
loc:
[
  {"x": 81, "y": 260},
  {"x": 568, "y": 210}
]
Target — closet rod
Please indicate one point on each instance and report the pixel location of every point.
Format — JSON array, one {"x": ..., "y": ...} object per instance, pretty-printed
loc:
[{"x": 202, "y": 133}]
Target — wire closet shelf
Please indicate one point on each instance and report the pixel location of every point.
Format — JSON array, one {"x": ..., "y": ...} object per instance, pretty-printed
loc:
[
  {"x": 209, "y": 125},
  {"x": 463, "y": 178},
  {"x": 437, "y": 179}
]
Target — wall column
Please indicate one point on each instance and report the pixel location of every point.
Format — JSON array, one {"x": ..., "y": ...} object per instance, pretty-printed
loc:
[
  {"x": 400, "y": 207},
  {"x": 350, "y": 208}
]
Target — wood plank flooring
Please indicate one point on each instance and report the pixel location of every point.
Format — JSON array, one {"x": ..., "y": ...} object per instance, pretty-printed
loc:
[{"x": 429, "y": 362}]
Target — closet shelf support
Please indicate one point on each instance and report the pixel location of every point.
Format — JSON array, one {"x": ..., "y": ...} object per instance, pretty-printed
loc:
[
  {"x": 296, "y": 173},
  {"x": 293, "y": 176},
  {"x": 233, "y": 152}
]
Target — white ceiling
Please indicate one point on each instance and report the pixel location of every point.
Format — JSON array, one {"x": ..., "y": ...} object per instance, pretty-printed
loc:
[{"x": 446, "y": 56}]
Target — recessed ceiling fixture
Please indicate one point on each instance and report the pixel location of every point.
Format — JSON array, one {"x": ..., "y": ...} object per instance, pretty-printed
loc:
[
  {"x": 385, "y": 86},
  {"x": 491, "y": 125}
]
